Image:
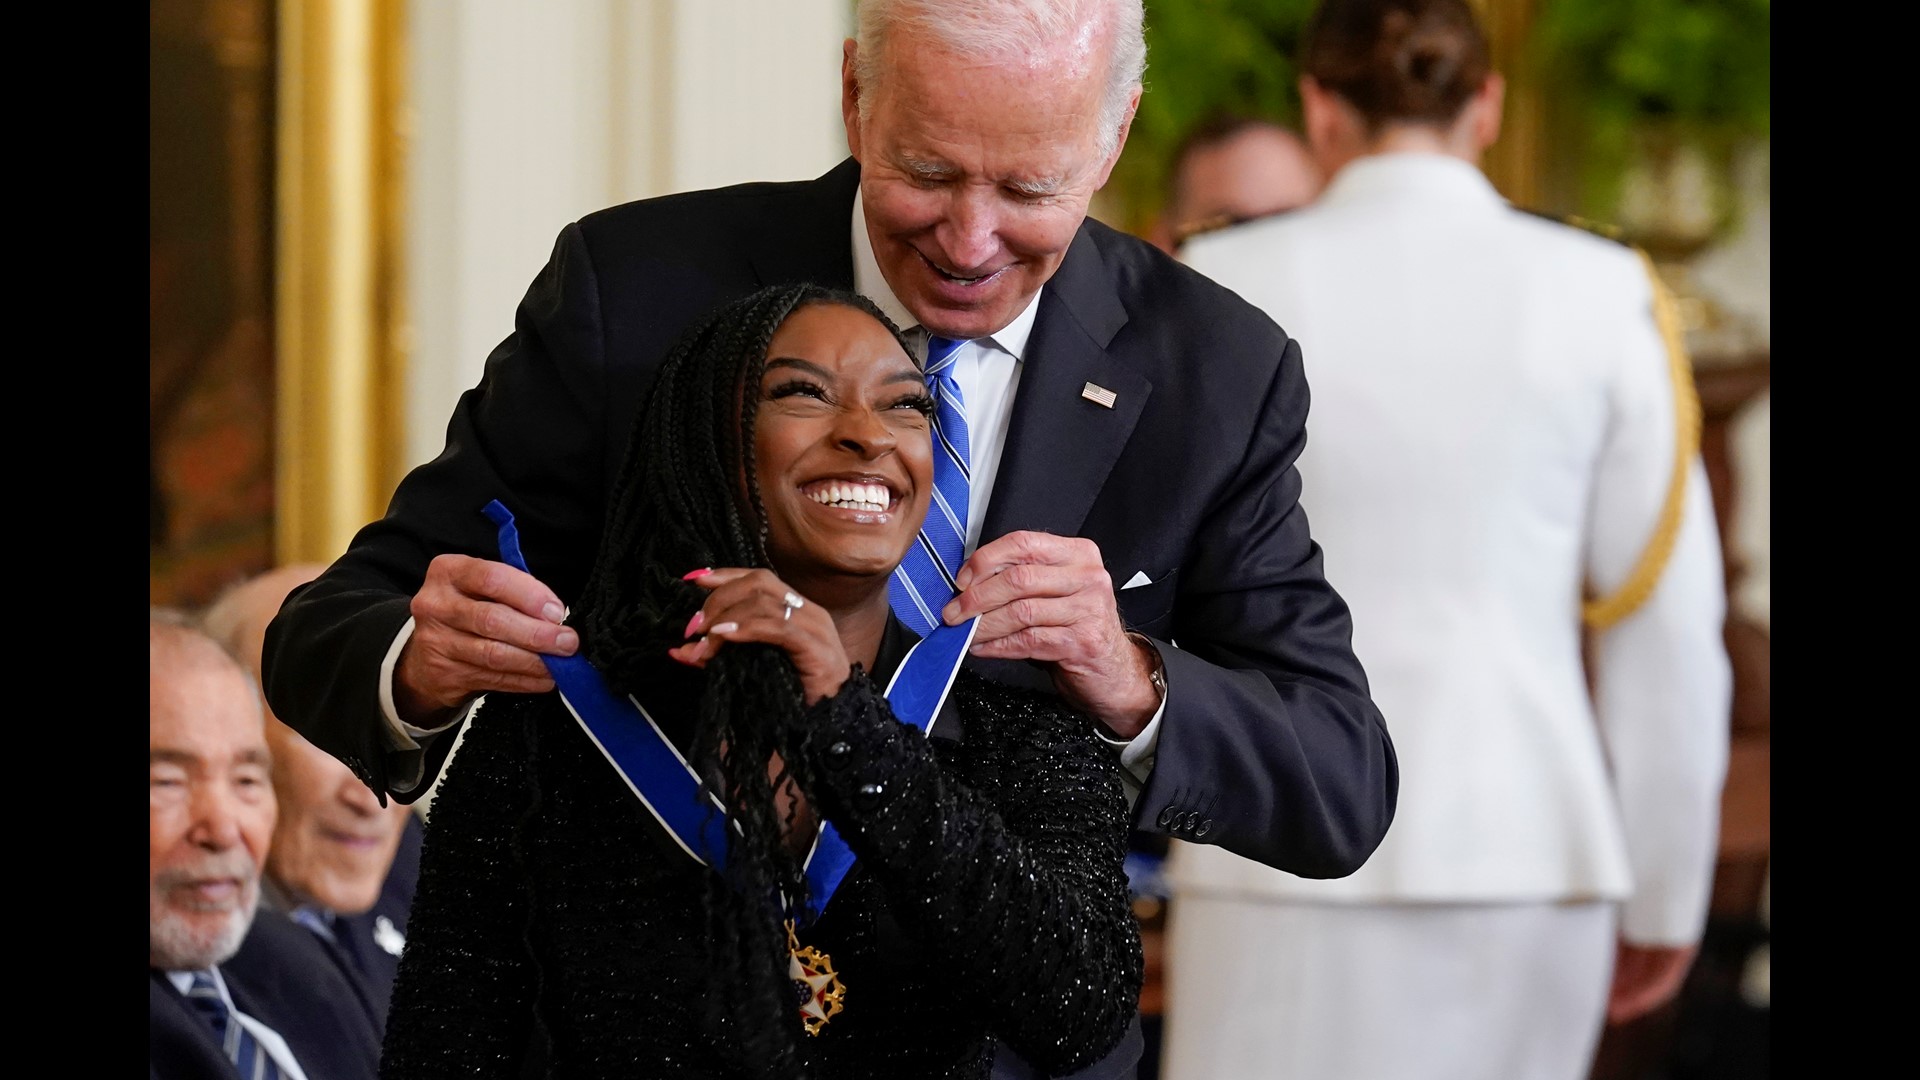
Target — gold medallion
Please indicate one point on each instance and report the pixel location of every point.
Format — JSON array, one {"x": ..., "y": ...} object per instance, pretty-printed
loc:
[{"x": 817, "y": 989}]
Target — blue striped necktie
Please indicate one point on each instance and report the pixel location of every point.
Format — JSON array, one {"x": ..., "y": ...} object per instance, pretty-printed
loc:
[
  {"x": 923, "y": 582},
  {"x": 241, "y": 1047}
]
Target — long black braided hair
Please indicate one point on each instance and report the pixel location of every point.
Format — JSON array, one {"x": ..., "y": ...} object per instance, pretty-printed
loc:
[{"x": 676, "y": 506}]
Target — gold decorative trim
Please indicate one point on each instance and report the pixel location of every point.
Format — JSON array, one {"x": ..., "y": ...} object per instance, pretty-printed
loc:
[
  {"x": 339, "y": 305},
  {"x": 1645, "y": 577}
]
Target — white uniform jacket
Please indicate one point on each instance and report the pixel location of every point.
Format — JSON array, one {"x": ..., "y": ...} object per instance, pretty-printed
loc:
[{"x": 1492, "y": 428}]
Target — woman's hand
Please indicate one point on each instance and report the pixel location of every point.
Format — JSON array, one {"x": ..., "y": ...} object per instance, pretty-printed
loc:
[{"x": 754, "y": 605}]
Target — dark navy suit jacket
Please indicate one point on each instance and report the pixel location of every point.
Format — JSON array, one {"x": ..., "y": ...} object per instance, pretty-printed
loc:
[
  {"x": 367, "y": 945},
  {"x": 1269, "y": 746},
  {"x": 283, "y": 978}
]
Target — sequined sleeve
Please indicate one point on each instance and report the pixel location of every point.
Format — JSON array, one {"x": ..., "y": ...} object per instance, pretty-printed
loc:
[
  {"x": 462, "y": 999},
  {"x": 1006, "y": 861}
]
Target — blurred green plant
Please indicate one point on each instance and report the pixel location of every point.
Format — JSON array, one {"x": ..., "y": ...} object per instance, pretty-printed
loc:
[
  {"x": 1204, "y": 58},
  {"x": 1620, "y": 72}
]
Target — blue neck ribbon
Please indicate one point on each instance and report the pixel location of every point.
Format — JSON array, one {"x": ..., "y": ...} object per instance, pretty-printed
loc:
[{"x": 660, "y": 776}]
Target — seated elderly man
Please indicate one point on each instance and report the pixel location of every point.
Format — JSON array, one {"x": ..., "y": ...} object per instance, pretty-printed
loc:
[
  {"x": 233, "y": 993},
  {"x": 342, "y": 865}
]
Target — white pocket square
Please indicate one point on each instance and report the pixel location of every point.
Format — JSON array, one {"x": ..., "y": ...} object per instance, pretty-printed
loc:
[{"x": 1138, "y": 579}]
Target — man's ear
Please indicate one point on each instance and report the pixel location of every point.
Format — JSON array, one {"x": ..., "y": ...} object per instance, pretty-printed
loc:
[
  {"x": 1318, "y": 115},
  {"x": 850, "y": 95},
  {"x": 1120, "y": 144},
  {"x": 1488, "y": 103}
]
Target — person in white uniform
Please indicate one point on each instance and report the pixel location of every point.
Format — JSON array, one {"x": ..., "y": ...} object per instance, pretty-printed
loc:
[{"x": 1502, "y": 443}]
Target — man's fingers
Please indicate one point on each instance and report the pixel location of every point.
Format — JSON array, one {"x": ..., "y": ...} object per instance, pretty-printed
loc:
[
  {"x": 521, "y": 684},
  {"x": 485, "y": 579},
  {"x": 476, "y": 658},
  {"x": 1055, "y": 598},
  {"x": 439, "y": 669},
  {"x": 460, "y": 616},
  {"x": 1044, "y": 643},
  {"x": 1016, "y": 548},
  {"x": 492, "y": 601},
  {"x": 1087, "y": 589}
]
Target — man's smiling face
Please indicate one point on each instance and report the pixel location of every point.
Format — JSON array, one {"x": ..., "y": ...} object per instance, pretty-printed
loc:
[{"x": 975, "y": 176}]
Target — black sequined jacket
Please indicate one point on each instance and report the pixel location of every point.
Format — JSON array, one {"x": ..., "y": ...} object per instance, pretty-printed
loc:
[{"x": 989, "y": 901}]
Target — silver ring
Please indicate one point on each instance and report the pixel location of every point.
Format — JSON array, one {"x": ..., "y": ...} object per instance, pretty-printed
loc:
[{"x": 790, "y": 603}]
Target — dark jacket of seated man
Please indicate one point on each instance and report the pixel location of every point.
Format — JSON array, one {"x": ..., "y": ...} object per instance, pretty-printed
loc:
[{"x": 283, "y": 977}]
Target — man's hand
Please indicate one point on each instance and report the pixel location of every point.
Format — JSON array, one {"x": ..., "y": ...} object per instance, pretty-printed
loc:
[
  {"x": 478, "y": 626},
  {"x": 1645, "y": 978},
  {"x": 1048, "y": 598}
]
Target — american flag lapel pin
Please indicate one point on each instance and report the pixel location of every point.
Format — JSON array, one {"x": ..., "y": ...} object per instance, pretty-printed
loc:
[{"x": 1099, "y": 395}]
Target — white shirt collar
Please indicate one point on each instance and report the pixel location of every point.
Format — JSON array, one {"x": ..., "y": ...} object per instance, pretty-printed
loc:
[
  {"x": 870, "y": 282},
  {"x": 183, "y": 982},
  {"x": 1411, "y": 173}
]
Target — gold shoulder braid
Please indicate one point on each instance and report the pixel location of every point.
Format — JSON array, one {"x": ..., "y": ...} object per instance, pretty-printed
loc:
[{"x": 1605, "y": 611}]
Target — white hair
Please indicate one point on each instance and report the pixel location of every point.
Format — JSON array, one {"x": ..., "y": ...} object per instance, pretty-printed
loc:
[
  {"x": 1012, "y": 29},
  {"x": 175, "y": 943}
]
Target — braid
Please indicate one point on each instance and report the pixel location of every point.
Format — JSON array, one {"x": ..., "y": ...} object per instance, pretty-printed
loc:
[{"x": 676, "y": 505}]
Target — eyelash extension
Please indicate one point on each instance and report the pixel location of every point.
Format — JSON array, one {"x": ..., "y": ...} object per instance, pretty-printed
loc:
[
  {"x": 797, "y": 386},
  {"x": 921, "y": 403}
]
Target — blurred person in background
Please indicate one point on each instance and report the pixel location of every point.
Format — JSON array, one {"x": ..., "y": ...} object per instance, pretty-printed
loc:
[
  {"x": 1233, "y": 169},
  {"x": 1127, "y": 469},
  {"x": 235, "y": 992},
  {"x": 342, "y": 865},
  {"x": 1502, "y": 421}
]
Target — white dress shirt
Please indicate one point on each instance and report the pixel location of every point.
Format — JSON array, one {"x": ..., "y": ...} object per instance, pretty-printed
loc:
[
  {"x": 269, "y": 1039},
  {"x": 988, "y": 371},
  {"x": 1493, "y": 426}
]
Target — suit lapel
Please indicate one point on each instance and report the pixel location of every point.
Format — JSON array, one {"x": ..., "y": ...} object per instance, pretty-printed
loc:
[
  {"x": 1061, "y": 446},
  {"x": 814, "y": 242},
  {"x": 184, "y": 1038}
]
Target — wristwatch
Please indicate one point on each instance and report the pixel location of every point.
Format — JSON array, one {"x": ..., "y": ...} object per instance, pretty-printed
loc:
[{"x": 1158, "y": 676}]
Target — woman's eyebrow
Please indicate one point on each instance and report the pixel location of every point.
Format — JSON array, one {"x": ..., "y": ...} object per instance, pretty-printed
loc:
[
  {"x": 906, "y": 374},
  {"x": 807, "y": 366}
]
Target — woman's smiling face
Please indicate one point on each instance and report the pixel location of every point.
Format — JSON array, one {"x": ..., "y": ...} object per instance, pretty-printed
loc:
[{"x": 842, "y": 446}]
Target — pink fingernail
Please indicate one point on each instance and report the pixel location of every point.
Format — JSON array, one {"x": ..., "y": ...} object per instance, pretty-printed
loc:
[
  {"x": 554, "y": 612},
  {"x": 694, "y": 623},
  {"x": 700, "y": 573},
  {"x": 725, "y": 628}
]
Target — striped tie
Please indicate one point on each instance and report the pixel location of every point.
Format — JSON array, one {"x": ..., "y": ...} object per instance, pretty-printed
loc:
[
  {"x": 320, "y": 922},
  {"x": 241, "y": 1047},
  {"x": 923, "y": 582}
]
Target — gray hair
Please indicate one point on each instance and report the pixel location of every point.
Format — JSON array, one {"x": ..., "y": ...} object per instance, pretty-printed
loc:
[
  {"x": 1011, "y": 29},
  {"x": 177, "y": 640}
]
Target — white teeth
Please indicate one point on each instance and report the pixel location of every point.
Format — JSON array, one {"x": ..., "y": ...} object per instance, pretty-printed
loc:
[{"x": 874, "y": 497}]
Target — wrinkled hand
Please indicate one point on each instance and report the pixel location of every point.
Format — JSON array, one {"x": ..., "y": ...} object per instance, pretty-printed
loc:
[
  {"x": 749, "y": 605},
  {"x": 1048, "y": 598},
  {"x": 478, "y": 626},
  {"x": 1645, "y": 978}
]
